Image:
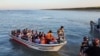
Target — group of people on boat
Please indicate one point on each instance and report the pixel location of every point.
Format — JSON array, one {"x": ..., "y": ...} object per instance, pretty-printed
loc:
[
  {"x": 39, "y": 37},
  {"x": 90, "y": 49}
]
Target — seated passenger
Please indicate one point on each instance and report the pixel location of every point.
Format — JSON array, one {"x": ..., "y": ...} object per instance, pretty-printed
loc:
[
  {"x": 37, "y": 40},
  {"x": 49, "y": 36},
  {"x": 32, "y": 32},
  {"x": 18, "y": 31},
  {"x": 20, "y": 35},
  {"x": 40, "y": 34},
  {"x": 13, "y": 32},
  {"x": 53, "y": 41},
  {"x": 36, "y": 35},
  {"x": 43, "y": 40},
  {"x": 33, "y": 38},
  {"x": 29, "y": 35},
  {"x": 25, "y": 37}
]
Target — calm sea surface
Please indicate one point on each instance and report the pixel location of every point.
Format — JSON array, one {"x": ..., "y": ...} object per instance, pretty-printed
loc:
[{"x": 76, "y": 25}]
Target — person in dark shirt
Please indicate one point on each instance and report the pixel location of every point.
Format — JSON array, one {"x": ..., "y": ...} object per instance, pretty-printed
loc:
[
  {"x": 84, "y": 45},
  {"x": 93, "y": 50}
]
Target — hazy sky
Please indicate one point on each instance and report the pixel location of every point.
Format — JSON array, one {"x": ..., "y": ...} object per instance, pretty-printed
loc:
[{"x": 43, "y": 4}]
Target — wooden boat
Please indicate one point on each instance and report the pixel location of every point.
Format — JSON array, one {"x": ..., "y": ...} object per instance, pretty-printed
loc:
[{"x": 40, "y": 47}]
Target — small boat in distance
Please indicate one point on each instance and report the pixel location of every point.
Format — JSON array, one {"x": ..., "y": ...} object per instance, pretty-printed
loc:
[{"x": 41, "y": 47}]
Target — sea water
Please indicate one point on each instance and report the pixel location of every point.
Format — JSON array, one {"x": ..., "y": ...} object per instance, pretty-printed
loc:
[{"x": 76, "y": 26}]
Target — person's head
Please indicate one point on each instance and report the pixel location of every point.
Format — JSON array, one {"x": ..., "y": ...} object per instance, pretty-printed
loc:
[
  {"x": 36, "y": 32},
  {"x": 39, "y": 32},
  {"x": 42, "y": 33},
  {"x": 96, "y": 42},
  {"x": 32, "y": 31},
  {"x": 62, "y": 27},
  {"x": 42, "y": 37},
  {"x": 85, "y": 38},
  {"x": 91, "y": 21},
  {"x": 50, "y": 31}
]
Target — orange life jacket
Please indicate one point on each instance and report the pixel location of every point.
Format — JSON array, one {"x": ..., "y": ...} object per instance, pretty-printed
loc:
[{"x": 49, "y": 36}]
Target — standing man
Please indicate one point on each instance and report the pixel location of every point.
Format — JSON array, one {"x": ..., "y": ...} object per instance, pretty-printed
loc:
[
  {"x": 60, "y": 33},
  {"x": 95, "y": 49},
  {"x": 85, "y": 45}
]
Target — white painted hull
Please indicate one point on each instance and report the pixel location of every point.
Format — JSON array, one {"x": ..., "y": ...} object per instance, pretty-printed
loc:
[{"x": 41, "y": 47}]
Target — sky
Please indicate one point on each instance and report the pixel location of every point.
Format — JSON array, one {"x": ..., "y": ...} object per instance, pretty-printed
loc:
[{"x": 47, "y": 4}]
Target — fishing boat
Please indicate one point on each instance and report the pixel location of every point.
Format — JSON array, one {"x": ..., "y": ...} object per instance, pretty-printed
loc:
[{"x": 40, "y": 47}]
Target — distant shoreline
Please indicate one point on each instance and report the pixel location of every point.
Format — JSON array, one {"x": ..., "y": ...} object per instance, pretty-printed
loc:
[{"x": 84, "y": 8}]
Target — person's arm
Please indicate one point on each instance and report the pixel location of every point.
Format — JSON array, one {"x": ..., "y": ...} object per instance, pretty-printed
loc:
[
  {"x": 58, "y": 34},
  {"x": 80, "y": 53},
  {"x": 57, "y": 31},
  {"x": 81, "y": 50},
  {"x": 63, "y": 34}
]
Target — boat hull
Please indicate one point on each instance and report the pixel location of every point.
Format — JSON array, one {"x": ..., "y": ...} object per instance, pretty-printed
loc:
[
  {"x": 95, "y": 31},
  {"x": 40, "y": 47}
]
